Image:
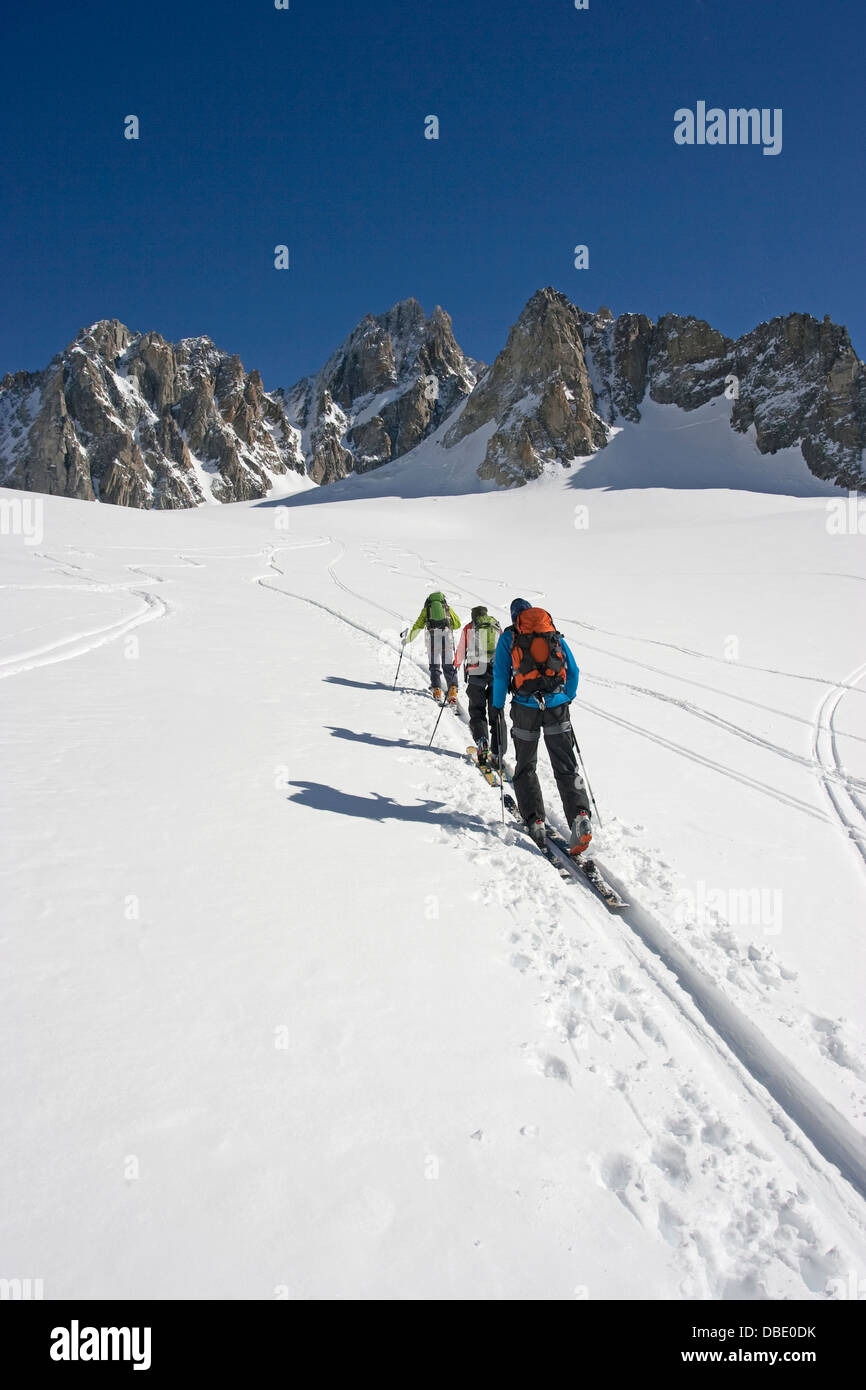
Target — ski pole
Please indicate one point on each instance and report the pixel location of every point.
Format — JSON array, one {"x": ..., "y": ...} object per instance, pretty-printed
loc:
[
  {"x": 400, "y": 662},
  {"x": 500, "y": 722},
  {"x": 436, "y": 725},
  {"x": 585, "y": 775},
  {"x": 502, "y": 789}
]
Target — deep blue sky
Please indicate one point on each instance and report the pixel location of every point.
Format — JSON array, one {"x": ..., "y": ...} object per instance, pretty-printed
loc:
[{"x": 306, "y": 127}]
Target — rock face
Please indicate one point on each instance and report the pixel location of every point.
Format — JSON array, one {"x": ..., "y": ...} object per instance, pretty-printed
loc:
[
  {"x": 133, "y": 420},
  {"x": 566, "y": 376},
  {"x": 795, "y": 380},
  {"x": 800, "y": 382},
  {"x": 617, "y": 354},
  {"x": 391, "y": 384},
  {"x": 538, "y": 393}
]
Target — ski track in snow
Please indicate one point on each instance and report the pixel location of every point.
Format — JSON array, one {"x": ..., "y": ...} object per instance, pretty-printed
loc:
[
  {"x": 763, "y": 1070},
  {"x": 841, "y": 789},
  {"x": 702, "y": 685},
  {"x": 813, "y": 764},
  {"x": 705, "y": 656},
  {"x": 89, "y": 639},
  {"x": 85, "y": 641},
  {"x": 723, "y": 769}
]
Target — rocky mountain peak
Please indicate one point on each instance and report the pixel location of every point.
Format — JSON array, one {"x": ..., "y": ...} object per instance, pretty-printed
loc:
[
  {"x": 539, "y": 393},
  {"x": 132, "y": 419},
  {"x": 393, "y": 381}
]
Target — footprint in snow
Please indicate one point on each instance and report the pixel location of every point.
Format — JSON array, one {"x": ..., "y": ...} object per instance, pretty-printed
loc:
[
  {"x": 649, "y": 1026},
  {"x": 570, "y": 1025},
  {"x": 617, "y": 1171},
  {"x": 681, "y": 1127},
  {"x": 829, "y": 1035},
  {"x": 716, "y": 1132},
  {"x": 670, "y": 1225},
  {"x": 671, "y": 1159},
  {"x": 555, "y": 1067},
  {"x": 549, "y": 1065}
]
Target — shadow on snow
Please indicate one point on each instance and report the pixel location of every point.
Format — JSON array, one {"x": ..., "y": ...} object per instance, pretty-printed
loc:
[
  {"x": 354, "y": 736},
  {"x": 320, "y": 797},
  {"x": 363, "y": 685}
]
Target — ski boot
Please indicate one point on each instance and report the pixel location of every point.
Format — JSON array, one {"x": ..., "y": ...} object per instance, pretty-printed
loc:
[
  {"x": 581, "y": 833},
  {"x": 483, "y": 752},
  {"x": 452, "y": 694},
  {"x": 436, "y": 692},
  {"x": 537, "y": 831}
]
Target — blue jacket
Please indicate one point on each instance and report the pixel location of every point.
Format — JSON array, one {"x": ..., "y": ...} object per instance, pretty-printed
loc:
[{"x": 502, "y": 669}]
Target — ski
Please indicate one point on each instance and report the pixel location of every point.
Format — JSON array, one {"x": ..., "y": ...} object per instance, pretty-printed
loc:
[
  {"x": 490, "y": 773},
  {"x": 544, "y": 850},
  {"x": 597, "y": 881},
  {"x": 589, "y": 870},
  {"x": 487, "y": 773},
  {"x": 567, "y": 866}
]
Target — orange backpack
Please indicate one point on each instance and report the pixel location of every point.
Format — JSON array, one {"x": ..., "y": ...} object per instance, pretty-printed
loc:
[{"x": 537, "y": 658}]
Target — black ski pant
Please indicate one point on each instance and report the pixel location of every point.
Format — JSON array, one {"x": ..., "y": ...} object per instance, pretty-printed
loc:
[
  {"x": 479, "y": 690},
  {"x": 527, "y": 725},
  {"x": 440, "y": 652}
]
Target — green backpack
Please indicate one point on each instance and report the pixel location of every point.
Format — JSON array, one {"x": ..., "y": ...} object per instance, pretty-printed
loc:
[
  {"x": 485, "y": 635},
  {"x": 437, "y": 611}
]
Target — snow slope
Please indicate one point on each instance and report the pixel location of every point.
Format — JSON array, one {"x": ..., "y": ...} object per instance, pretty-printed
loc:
[{"x": 286, "y": 1010}]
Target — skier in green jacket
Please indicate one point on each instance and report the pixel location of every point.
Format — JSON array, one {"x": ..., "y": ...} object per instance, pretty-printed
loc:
[{"x": 440, "y": 622}]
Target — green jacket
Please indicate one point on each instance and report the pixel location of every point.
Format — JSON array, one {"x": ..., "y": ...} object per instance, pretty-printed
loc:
[{"x": 421, "y": 621}]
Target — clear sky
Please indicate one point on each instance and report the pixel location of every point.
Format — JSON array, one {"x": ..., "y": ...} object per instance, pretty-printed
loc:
[{"x": 306, "y": 127}]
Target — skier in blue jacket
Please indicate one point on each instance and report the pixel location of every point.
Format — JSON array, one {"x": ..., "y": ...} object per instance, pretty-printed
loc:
[{"x": 535, "y": 663}]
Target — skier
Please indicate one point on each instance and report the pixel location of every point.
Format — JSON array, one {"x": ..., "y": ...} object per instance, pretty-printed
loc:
[
  {"x": 476, "y": 647},
  {"x": 440, "y": 622},
  {"x": 535, "y": 663}
]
